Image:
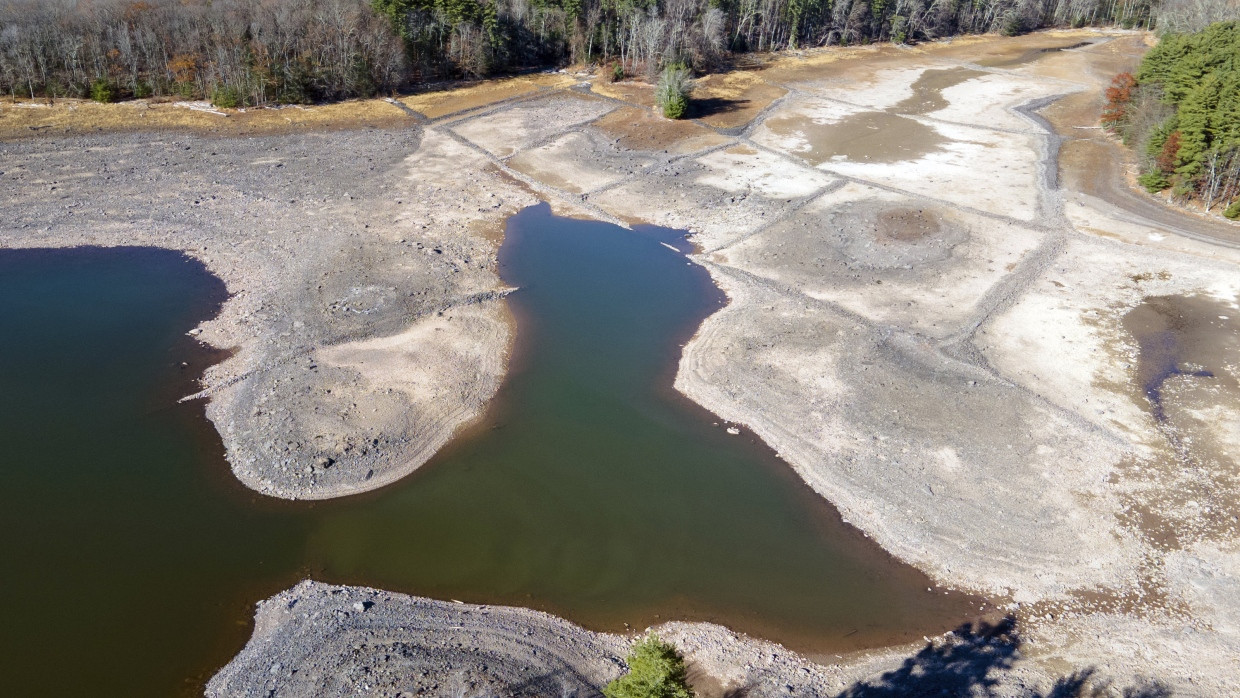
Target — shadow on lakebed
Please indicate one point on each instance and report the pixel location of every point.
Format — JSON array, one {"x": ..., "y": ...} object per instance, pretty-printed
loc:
[{"x": 973, "y": 660}]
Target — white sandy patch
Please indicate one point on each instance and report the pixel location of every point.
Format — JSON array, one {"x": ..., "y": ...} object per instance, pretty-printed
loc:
[
  {"x": 1172, "y": 651},
  {"x": 884, "y": 90},
  {"x": 574, "y": 164},
  {"x": 441, "y": 156},
  {"x": 512, "y": 130},
  {"x": 742, "y": 170},
  {"x": 821, "y": 112},
  {"x": 1093, "y": 216},
  {"x": 948, "y": 459},
  {"x": 987, "y": 101},
  {"x": 1222, "y": 423},
  {"x": 201, "y": 105},
  {"x": 933, "y": 298},
  {"x": 415, "y": 360},
  {"x": 872, "y": 435},
  {"x": 1207, "y": 577},
  {"x": 985, "y": 170},
  {"x": 993, "y": 171},
  {"x": 447, "y": 367},
  {"x": 720, "y": 197},
  {"x": 1064, "y": 340}
]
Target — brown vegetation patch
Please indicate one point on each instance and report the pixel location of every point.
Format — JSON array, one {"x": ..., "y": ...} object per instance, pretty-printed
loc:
[
  {"x": 1013, "y": 51},
  {"x": 631, "y": 91},
  {"x": 732, "y": 100},
  {"x": 803, "y": 66},
  {"x": 440, "y": 103},
  {"x": 27, "y": 118},
  {"x": 641, "y": 129},
  {"x": 1100, "y": 62}
]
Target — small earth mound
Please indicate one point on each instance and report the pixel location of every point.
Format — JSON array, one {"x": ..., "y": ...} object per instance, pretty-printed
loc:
[
  {"x": 887, "y": 235},
  {"x": 906, "y": 225}
]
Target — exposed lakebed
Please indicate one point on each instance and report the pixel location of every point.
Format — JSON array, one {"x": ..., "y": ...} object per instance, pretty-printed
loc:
[{"x": 591, "y": 488}]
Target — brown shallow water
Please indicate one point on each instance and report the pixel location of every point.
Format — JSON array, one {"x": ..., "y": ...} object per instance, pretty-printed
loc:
[
  {"x": 877, "y": 136},
  {"x": 1008, "y": 60},
  {"x": 1187, "y": 362},
  {"x": 907, "y": 224},
  {"x": 871, "y": 136},
  {"x": 928, "y": 90},
  {"x": 1188, "y": 337}
]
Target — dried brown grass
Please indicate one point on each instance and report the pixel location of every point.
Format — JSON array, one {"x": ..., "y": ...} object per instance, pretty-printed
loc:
[
  {"x": 440, "y": 103},
  {"x": 69, "y": 116}
]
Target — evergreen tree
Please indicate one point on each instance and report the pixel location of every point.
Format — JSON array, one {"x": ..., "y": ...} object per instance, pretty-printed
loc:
[{"x": 1193, "y": 149}]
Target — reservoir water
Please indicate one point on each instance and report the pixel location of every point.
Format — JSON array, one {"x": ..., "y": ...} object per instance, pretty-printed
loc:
[{"x": 591, "y": 489}]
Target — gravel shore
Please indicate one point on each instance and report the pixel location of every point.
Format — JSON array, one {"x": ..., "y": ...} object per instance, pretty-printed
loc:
[{"x": 342, "y": 264}]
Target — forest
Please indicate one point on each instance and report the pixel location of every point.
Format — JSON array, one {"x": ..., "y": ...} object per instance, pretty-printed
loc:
[
  {"x": 1181, "y": 112},
  {"x": 256, "y": 52}
]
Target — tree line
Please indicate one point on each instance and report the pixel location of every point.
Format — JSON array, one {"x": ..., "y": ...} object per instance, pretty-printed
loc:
[
  {"x": 1181, "y": 113},
  {"x": 234, "y": 52},
  {"x": 241, "y": 52}
]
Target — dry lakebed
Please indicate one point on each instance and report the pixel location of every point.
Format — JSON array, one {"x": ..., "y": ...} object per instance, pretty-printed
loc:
[{"x": 946, "y": 312}]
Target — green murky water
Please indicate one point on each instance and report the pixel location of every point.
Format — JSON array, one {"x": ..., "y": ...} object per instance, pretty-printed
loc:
[{"x": 132, "y": 559}]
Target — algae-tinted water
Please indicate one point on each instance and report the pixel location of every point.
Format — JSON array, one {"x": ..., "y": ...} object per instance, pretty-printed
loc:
[{"x": 591, "y": 488}]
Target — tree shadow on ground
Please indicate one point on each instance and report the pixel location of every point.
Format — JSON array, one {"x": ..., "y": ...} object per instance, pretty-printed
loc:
[
  {"x": 563, "y": 683},
  {"x": 970, "y": 663},
  {"x": 712, "y": 106},
  {"x": 973, "y": 661}
]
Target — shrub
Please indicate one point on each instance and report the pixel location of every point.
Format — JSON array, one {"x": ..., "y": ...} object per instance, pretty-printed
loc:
[
  {"x": 101, "y": 91},
  {"x": 1169, "y": 155},
  {"x": 142, "y": 90},
  {"x": 899, "y": 29},
  {"x": 1119, "y": 95},
  {"x": 656, "y": 670},
  {"x": 1014, "y": 24},
  {"x": 672, "y": 93},
  {"x": 1233, "y": 211},
  {"x": 1154, "y": 181},
  {"x": 226, "y": 97},
  {"x": 617, "y": 72}
]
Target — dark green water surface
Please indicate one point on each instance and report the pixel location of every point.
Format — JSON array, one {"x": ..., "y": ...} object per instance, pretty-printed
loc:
[{"x": 132, "y": 559}]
